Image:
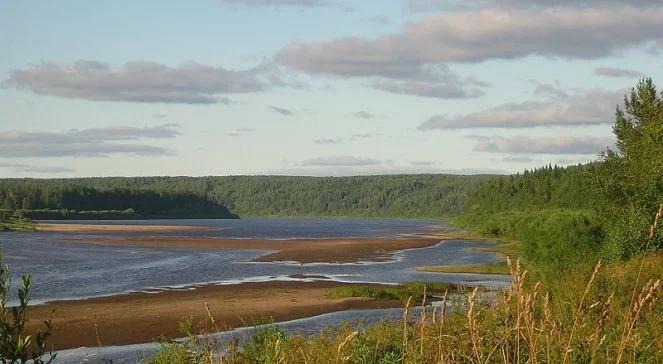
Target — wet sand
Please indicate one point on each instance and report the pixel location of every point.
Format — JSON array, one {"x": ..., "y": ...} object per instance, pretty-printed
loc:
[
  {"x": 99, "y": 228},
  {"x": 294, "y": 250},
  {"x": 143, "y": 317}
]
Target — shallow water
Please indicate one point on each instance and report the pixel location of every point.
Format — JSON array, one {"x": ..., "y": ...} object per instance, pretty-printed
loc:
[
  {"x": 63, "y": 270},
  {"x": 306, "y": 326}
]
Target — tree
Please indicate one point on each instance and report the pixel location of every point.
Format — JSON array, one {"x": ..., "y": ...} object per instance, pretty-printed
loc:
[{"x": 631, "y": 177}]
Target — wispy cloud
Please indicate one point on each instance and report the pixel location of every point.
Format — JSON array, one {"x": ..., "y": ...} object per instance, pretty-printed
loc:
[
  {"x": 277, "y": 3},
  {"x": 27, "y": 168},
  {"x": 192, "y": 83},
  {"x": 557, "y": 107},
  {"x": 617, "y": 72},
  {"x": 364, "y": 115},
  {"x": 241, "y": 132},
  {"x": 352, "y": 138},
  {"x": 542, "y": 145},
  {"x": 573, "y": 33},
  {"x": 340, "y": 161},
  {"x": 281, "y": 110},
  {"x": 93, "y": 142},
  {"x": 450, "y": 87}
]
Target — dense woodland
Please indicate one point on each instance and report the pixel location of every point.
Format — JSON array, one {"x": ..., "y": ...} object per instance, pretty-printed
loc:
[
  {"x": 564, "y": 217},
  {"x": 376, "y": 196}
]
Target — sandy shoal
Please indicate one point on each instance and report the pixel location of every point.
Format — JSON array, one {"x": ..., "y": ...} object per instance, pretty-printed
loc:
[
  {"x": 143, "y": 317},
  {"x": 333, "y": 250},
  {"x": 112, "y": 228}
]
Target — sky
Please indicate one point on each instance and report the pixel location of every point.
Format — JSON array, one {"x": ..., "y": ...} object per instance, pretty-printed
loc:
[{"x": 316, "y": 87}]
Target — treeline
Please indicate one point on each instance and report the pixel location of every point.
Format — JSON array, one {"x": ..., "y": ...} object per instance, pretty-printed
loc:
[
  {"x": 56, "y": 200},
  {"x": 414, "y": 196},
  {"x": 605, "y": 209},
  {"x": 543, "y": 188}
]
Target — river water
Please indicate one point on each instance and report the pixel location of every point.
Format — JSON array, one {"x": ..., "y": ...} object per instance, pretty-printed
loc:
[{"x": 63, "y": 270}]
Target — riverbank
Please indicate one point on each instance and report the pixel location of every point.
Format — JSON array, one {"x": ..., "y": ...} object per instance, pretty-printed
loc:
[
  {"x": 112, "y": 228},
  {"x": 143, "y": 317}
]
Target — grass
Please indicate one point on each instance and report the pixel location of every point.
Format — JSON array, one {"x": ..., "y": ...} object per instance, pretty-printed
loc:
[
  {"x": 612, "y": 314},
  {"x": 609, "y": 314},
  {"x": 486, "y": 268},
  {"x": 17, "y": 224},
  {"x": 413, "y": 290}
]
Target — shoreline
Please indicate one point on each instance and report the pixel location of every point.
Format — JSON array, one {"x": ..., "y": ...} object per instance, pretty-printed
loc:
[
  {"x": 136, "y": 318},
  {"x": 112, "y": 228}
]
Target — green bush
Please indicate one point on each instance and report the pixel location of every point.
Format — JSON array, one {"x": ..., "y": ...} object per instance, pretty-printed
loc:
[
  {"x": 550, "y": 240},
  {"x": 16, "y": 346}
]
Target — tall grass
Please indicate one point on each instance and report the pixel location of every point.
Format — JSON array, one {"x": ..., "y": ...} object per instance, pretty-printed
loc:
[{"x": 586, "y": 317}]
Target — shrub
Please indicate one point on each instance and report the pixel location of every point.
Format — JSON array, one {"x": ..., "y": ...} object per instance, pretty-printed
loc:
[{"x": 15, "y": 344}]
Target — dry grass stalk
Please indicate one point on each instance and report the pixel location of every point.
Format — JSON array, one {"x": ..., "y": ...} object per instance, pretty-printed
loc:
[
  {"x": 343, "y": 344},
  {"x": 96, "y": 330},
  {"x": 422, "y": 323},
  {"x": 654, "y": 225},
  {"x": 406, "y": 315},
  {"x": 471, "y": 324},
  {"x": 625, "y": 331},
  {"x": 568, "y": 349}
]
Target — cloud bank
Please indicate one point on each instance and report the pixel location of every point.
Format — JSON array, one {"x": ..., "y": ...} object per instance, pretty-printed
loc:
[
  {"x": 542, "y": 145},
  {"x": 475, "y": 36},
  {"x": 150, "y": 82},
  {"x": 94, "y": 142},
  {"x": 557, "y": 108}
]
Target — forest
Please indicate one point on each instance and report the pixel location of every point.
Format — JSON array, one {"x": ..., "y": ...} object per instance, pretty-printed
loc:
[{"x": 413, "y": 196}]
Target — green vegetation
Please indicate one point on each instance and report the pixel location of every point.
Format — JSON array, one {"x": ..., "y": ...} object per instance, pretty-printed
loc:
[
  {"x": 549, "y": 240},
  {"x": 415, "y": 196},
  {"x": 609, "y": 314},
  {"x": 16, "y": 346},
  {"x": 564, "y": 217},
  {"x": 11, "y": 221},
  {"x": 486, "y": 268},
  {"x": 566, "y": 220},
  {"x": 54, "y": 200},
  {"x": 413, "y": 290},
  {"x": 630, "y": 180}
]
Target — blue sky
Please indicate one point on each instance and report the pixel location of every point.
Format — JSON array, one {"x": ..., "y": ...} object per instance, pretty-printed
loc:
[{"x": 315, "y": 87}]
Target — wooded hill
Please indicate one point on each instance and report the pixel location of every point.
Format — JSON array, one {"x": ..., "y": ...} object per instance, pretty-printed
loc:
[{"x": 414, "y": 196}]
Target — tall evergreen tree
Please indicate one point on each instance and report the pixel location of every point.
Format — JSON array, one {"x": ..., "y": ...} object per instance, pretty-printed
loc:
[{"x": 631, "y": 177}]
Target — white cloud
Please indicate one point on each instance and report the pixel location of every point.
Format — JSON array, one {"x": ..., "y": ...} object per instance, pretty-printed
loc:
[
  {"x": 542, "y": 145},
  {"x": 192, "y": 83},
  {"x": 340, "y": 161},
  {"x": 94, "y": 142},
  {"x": 479, "y": 35},
  {"x": 617, "y": 72},
  {"x": 558, "y": 107}
]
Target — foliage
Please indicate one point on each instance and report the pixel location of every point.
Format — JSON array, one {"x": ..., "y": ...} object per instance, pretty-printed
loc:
[
  {"x": 16, "y": 346},
  {"x": 48, "y": 199},
  {"x": 485, "y": 268},
  {"x": 12, "y": 222},
  {"x": 549, "y": 240},
  {"x": 370, "y": 196},
  {"x": 403, "y": 292},
  {"x": 609, "y": 314},
  {"x": 631, "y": 177},
  {"x": 549, "y": 187}
]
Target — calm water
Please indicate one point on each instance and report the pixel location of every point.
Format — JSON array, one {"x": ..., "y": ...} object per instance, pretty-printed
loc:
[{"x": 63, "y": 270}]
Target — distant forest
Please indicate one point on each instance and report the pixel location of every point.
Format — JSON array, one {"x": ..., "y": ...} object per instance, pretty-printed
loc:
[{"x": 414, "y": 196}]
